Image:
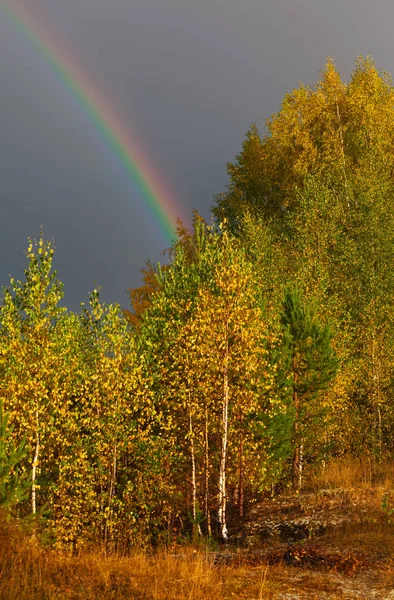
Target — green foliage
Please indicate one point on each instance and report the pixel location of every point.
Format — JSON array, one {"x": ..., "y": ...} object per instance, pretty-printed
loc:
[
  {"x": 226, "y": 370},
  {"x": 309, "y": 347},
  {"x": 312, "y": 366},
  {"x": 12, "y": 489},
  {"x": 319, "y": 185}
]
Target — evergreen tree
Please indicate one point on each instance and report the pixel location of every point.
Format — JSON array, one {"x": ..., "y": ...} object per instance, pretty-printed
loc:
[{"x": 312, "y": 366}]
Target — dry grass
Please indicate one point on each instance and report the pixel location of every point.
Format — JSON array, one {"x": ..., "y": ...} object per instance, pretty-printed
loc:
[
  {"x": 30, "y": 572},
  {"x": 350, "y": 473},
  {"x": 350, "y": 561}
]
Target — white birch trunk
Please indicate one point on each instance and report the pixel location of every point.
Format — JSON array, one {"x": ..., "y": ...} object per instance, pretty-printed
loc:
[
  {"x": 207, "y": 508},
  {"x": 196, "y": 526},
  {"x": 241, "y": 483},
  {"x": 34, "y": 472},
  {"x": 300, "y": 466},
  {"x": 222, "y": 473}
]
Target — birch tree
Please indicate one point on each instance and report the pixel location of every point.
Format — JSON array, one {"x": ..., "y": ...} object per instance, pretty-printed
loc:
[{"x": 30, "y": 386}]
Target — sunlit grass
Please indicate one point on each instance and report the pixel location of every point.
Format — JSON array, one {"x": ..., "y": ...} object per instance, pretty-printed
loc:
[
  {"x": 355, "y": 556},
  {"x": 30, "y": 572},
  {"x": 351, "y": 473}
]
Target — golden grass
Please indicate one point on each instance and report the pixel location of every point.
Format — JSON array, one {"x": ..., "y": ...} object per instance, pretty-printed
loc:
[
  {"x": 28, "y": 571},
  {"x": 351, "y": 473}
]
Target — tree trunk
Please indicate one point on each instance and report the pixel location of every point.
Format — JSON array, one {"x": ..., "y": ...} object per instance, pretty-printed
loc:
[
  {"x": 34, "y": 472},
  {"x": 196, "y": 526},
  {"x": 207, "y": 508},
  {"x": 241, "y": 493},
  {"x": 222, "y": 473},
  {"x": 296, "y": 468},
  {"x": 112, "y": 489},
  {"x": 300, "y": 465}
]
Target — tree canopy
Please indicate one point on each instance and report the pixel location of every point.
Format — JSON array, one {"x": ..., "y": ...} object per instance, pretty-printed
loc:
[{"x": 221, "y": 384}]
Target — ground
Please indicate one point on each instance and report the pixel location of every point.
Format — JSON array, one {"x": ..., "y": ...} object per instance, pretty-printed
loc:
[
  {"x": 334, "y": 541},
  {"x": 331, "y": 543}
]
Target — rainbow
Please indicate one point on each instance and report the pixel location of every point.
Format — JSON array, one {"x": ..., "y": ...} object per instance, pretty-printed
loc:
[{"x": 105, "y": 120}]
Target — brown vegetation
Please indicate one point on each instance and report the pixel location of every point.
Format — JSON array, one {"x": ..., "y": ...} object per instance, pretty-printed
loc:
[
  {"x": 29, "y": 572},
  {"x": 351, "y": 559}
]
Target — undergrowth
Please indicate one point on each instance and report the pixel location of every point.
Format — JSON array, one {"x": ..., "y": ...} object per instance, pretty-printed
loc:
[{"x": 360, "y": 551}]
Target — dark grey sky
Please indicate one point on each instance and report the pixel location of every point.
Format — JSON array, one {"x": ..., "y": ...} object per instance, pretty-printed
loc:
[{"x": 188, "y": 77}]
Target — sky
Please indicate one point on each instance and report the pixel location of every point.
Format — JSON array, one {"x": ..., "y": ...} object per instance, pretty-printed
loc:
[{"x": 186, "y": 79}]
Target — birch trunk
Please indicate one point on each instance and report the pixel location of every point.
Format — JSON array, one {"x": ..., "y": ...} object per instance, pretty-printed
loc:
[
  {"x": 196, "y": 526},
  {"x": 34, "y": 471},
  {"x": 241, "y": 478},
  {"x": 112, "y": 487},
  {"x": 222, "y": 473},
  {"x": 112, "y": 490},
  {"x": 207, "y": 509}
]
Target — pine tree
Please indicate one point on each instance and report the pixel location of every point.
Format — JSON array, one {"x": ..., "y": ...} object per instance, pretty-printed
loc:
[{"x": 312, "y": 366}]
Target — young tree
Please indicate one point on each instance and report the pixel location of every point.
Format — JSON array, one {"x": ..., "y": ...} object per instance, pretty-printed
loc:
[
  {"x": 32, "y": 363},
  {"x": 208, "y": 336},
  {"x": 312, "y": 365}
]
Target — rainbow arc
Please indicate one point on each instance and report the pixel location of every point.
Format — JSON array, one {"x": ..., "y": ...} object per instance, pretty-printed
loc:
[{"x": 103, "y": 117}]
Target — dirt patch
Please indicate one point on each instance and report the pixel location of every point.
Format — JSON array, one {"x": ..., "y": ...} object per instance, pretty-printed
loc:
[{"x": 334, "y": 544}]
